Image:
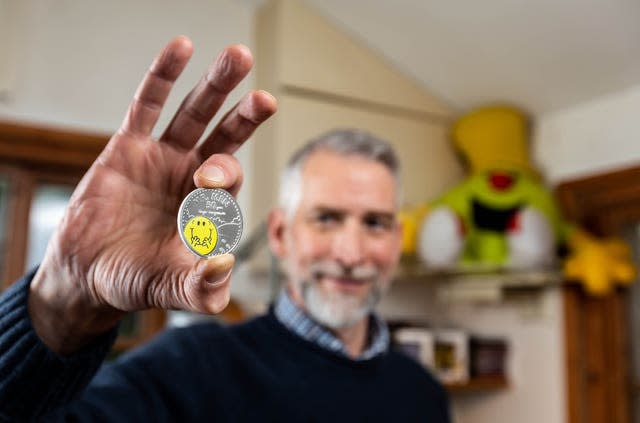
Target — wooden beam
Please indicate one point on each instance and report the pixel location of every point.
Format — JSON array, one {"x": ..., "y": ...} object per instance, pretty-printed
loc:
[{"x": 48, "y": 147}]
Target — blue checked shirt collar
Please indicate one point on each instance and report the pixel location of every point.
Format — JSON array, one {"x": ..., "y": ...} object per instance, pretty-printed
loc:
[{"x": 296, "y": 320}]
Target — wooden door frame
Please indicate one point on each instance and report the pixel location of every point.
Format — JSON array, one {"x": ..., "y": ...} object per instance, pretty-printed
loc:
[
  {"x": 30, "y": 155},
  {"x": 596, "y": 329}
]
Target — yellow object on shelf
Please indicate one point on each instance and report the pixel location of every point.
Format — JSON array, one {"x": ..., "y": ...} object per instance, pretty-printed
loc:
[
  {"x": 411, "y": 219},
  {"x": 599, "y": 264}
]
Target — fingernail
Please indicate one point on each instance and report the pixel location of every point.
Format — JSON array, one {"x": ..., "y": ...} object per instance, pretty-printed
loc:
[
  {"x": 213, "y": 174},
  {"x": 217, "y": 278},
  {"x": 218, "y": 267}
]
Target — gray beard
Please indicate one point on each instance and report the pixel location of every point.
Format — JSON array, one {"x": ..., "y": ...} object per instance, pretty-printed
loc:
[{"x": 335, "y": 310}]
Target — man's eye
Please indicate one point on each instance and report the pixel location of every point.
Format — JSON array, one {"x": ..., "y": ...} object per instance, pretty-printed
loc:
[
  {"x": 377, "y": 223},
  {"x": 327, "y": 218}
]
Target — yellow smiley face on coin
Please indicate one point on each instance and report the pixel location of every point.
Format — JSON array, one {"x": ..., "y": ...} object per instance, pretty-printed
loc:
[{"x": 201, "y": 234}]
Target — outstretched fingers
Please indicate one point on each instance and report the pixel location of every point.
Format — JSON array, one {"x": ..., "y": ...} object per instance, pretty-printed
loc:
[
  {"x": 204, "y": 101},
  {"x": 154, "y": 89}
]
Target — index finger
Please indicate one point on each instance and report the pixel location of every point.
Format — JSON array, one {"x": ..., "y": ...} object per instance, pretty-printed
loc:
[{"x": 152, "y": 93}]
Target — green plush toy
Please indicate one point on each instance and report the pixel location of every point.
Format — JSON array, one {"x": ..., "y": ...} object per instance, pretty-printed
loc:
[{"x": 502, "y": 216}]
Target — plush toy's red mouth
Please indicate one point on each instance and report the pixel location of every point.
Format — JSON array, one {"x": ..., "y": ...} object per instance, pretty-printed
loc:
[
  {"x": 493, "y": 219},
  {"x": 501, "y": 181}
]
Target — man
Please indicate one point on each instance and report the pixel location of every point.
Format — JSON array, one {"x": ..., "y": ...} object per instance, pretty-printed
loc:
[{"x": 320, "y": 354}]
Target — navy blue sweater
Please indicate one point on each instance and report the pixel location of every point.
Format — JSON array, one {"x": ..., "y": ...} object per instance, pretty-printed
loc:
[{"x": 255, "y": 371}]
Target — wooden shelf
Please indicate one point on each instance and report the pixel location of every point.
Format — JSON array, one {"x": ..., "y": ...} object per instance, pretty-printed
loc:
[
  {"x": 479, "y": 384},
  {"x": 478, "y": 283}
]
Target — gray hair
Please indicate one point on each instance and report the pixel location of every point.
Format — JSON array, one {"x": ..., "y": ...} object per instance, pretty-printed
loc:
[{"x": 345, "y": 142}]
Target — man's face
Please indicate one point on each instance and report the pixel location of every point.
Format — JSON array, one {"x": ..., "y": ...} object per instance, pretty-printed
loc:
[{"x": 343, "y": 242}]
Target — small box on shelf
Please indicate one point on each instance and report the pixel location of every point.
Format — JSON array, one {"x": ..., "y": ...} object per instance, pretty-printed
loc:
[
  {"x": 487, "y": 357},
  {"x": 461, "y": 361},
  {"x": 451, "y": 351},
  {"x": 416, "y": 342}
]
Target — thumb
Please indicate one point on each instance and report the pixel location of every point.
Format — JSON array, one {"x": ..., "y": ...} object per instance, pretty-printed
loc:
[{"x": 206, "y": 289}]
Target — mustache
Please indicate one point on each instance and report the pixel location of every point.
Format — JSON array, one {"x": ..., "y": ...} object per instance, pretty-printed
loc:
[{"x": 336, "y": 270}]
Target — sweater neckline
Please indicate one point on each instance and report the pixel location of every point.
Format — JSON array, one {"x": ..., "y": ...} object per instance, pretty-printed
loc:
[
  {"x": 295, "y": 341},
  {"x": 296, "y": 320}
]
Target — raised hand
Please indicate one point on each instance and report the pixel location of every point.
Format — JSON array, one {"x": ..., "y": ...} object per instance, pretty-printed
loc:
[
  {"x": 117, "y": 248},
  {"x": 599, "y": 264}
]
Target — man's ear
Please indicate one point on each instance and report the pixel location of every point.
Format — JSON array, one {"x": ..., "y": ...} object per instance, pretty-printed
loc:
[{"x": 276, "y": 226}]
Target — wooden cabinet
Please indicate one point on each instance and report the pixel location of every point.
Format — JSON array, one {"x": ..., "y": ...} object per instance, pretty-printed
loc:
[
  {"x": 602, "y": 382},
  {"x": 39, "y": 167}
]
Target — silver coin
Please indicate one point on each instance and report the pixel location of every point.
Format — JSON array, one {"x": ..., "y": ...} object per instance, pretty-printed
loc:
[{"x": 210, "y": 222}]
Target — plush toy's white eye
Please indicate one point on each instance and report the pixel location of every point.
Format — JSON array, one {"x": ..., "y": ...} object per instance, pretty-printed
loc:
[
  {"x": 441, "y": 238},
  {"x": 531, "y": 242}
]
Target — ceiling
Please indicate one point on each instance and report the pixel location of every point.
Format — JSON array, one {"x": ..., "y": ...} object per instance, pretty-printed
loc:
[{"x": 544, "y": 55}]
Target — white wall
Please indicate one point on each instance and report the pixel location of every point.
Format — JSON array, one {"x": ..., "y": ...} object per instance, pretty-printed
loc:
[
  {"x": 535, "y": 365},
  {"x": 77, "y": 63},
  {"x": 594, "y": 137}
]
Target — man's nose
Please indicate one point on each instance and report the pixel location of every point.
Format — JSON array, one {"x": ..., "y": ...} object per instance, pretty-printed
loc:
[{"x": 349, "y": 245}]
